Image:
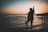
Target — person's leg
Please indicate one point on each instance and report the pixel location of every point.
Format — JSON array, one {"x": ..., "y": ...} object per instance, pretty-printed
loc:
[
  {"x": 31, "y": 24},
  {"x": 26, "y": 24}
]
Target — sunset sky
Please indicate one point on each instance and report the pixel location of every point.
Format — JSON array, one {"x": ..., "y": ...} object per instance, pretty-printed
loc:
[{"x": 22, "y": 6}]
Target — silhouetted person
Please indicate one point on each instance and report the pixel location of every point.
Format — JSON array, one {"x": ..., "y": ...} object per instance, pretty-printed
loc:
[{"x": 30, "y": 17}]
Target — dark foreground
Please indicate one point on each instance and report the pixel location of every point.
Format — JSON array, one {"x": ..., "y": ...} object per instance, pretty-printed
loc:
[{"x": 17, "y": 24}]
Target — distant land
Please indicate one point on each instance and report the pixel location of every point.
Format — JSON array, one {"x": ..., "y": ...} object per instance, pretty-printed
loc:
[{"x": 44, "y": 14}]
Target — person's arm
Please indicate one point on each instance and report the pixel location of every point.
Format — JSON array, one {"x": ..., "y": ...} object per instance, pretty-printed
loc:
[{"x": 33, "y": 8}]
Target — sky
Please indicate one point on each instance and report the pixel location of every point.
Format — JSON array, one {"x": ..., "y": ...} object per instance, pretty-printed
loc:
[{"x": 22, "y": 6}]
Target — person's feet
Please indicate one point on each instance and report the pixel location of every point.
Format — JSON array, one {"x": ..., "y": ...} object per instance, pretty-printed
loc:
[{"x": 26, "y": 25}]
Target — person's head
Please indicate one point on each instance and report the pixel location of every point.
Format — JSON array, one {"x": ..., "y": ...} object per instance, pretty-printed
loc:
[{"x": 31, "y": 9}]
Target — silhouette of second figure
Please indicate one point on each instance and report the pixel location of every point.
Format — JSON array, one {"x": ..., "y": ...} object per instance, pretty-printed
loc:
[{"x": 30, "y": 17}]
